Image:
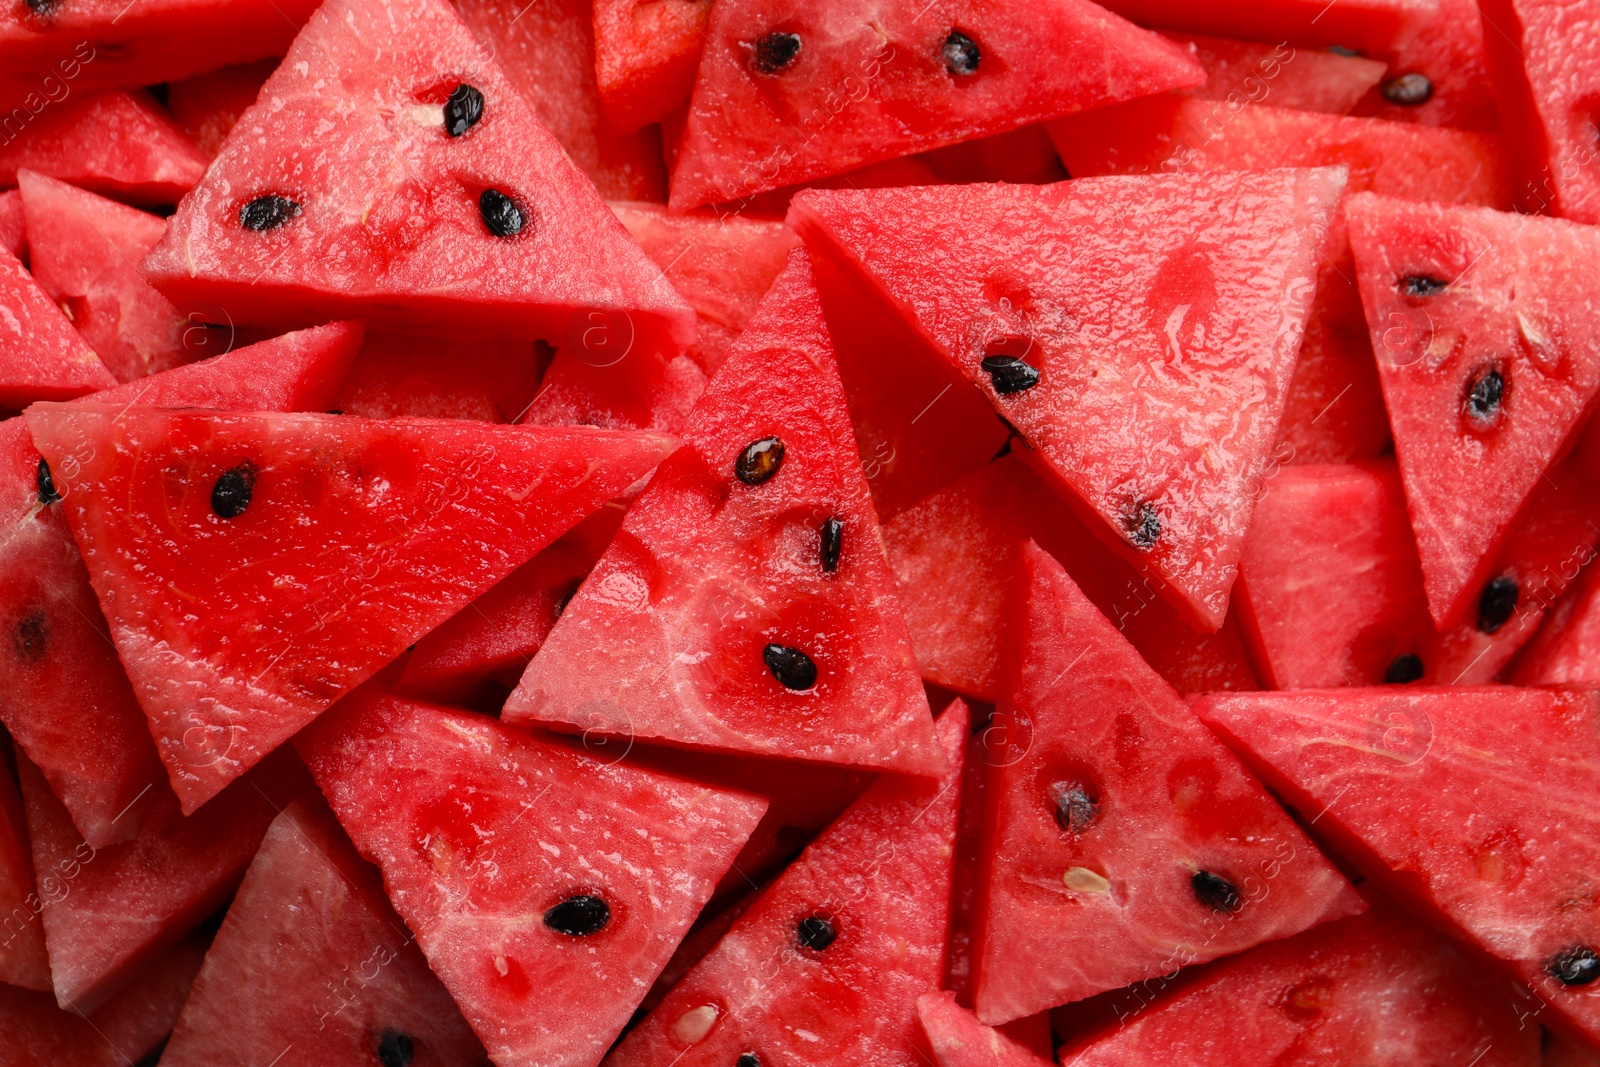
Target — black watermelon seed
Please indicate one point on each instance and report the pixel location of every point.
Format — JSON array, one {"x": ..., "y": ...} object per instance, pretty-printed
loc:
[
  {"x": 1143, "y": 524},
  {"x": 1404, "y": 670},
  {"x": 1496, "y": 603},
  {"x": 1484, "y": 397},
  {"x": 759, "y": 461},
  {"x": 500, "y": 213},
  {"x": 774, "y": 52},
  {"x": 1342, "y": 50},
  {"x": 1408, "y": 90},
  {"x": 231, "y": 495},
  {"x": 792, "y": 668},
  {"x": 268, "y": 213},
  {"x": 749, "y": 1059},
  {"x": 1010, "y": 374},
  {"x": 1578, "y": 965},
  {"x": 815, "y": 932},
  {"x": 463, "y": 110},
  {"x": 961, "y": 55},
  {"x": 1076, "y": 807},
  {"x": 395, "y": 1049},
  {"x": 1215, "y": 891},
  {"x": 1422, "y": 285},
  {"x": 579, "y": 916},
  {"x": 43, "y": 7},
  {"x": 832, "y": 543},
  {"x": 33, "y": 637},
  {"x": 46, "y": 484}
]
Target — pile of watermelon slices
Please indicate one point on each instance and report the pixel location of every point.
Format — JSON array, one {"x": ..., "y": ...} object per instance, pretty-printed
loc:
[{"x": 739, "y": 533}]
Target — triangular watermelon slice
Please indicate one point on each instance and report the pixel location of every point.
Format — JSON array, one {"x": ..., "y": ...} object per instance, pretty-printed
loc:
[
  {"x": 645, "y": 56},
  {"x": 41, "y": 355},
  {"x": 746, "y": 604},
  {"x": 13, "y": 224},
  {"x": 107, "y": 912},
  {"x": 64, "y": 695},
  {"x": 120, "y": 144},
  {"x": 1148, "y": 369},
  {"x": 826, "y": 966},
  {"x": 1485, "y": 373},
  {"x": 1475, "y": 804},
  {"x": 877, "y": 79},
  {"x": 1373, "y": 989},
  {"x": 958, "y": 1039},
  {"x": 1123, "y": 841},
  {"x": 1371, "y": 25},
  {"x": 435, "y": 199},
  {"x": 333, "y": 542},
  {"x": 23, "y": 961},
  {"x": 546, "y": 887},
  {"x": 84, "y": 252},
  {"x": 312, "y": 966}
]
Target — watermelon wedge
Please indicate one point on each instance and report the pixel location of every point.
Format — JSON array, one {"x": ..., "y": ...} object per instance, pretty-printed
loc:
[
  {"x": 746, "y": 604},
  {"x": 616, "y": 859},
  {"x": 392, "y": 525},
  {"x": 130, "y": 1025},
  {"x": 1567, "y": 650},
  {"x": 1485, "y": 376},
  {"x": 312, "y": 966},
  {"x": 120, "y": 144},
  {"x": 826, "y": 966},
  {"x": 207, "y": 106},
  {"x": 1373, "y": 989},
  {"x": 85, "y": 252},
  {"x": 1544, "y": 72},
  {"x": 1442, "y": 77},
  {"x": 1368, "y": 25},
  {"x": 1446, "y": 797},
  {"x": 722, "y": 267},
  {"x": 954, "y": 556},
  {"x": 429, "y": 377},
  {"x": 877, "y": 79},
  {"x": 1253, "y": 71},
  {"x": 13, "y": 226},
  {"x": 1069, "y": 905},
  {"x": 958, "y": 1039},
  {"x": 515, "y": 242},
  {"x": 1162, "y": 438},
  {"x": 645, "y": 55},
  {"x": 41, "y": 355},
  {"x": 64, "y": 695},
  {"x": 547, "y": 51},
  {"x": 108, "y": 912},
  {"x": 23, "y": 961}
]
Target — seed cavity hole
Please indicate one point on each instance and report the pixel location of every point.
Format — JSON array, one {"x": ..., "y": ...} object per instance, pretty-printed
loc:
[
  {"x": 395, "y": 1049},
  {"x": 1422, "y": 285},
  {"x": 1486, "y": 393},
  {"x": 269, "y": 212},
  {"x": 774, "y": 53},
  {"x": 1215, "y": 892},
  {"x": 961, "y": 54},
  {"x": 1404, "y": 670}
]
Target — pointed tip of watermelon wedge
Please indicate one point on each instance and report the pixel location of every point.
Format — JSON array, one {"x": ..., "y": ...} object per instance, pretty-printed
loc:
[{"x": 958, "y": 1039}]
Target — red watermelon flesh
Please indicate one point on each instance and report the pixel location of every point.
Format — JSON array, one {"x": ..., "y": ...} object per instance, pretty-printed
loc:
[
  {"x": 1451, "y": 55},
  {"x": 312, "y": 966},
  {"x": 876, "y": 79},
  {"x": 714, "y": 620},
  {"x": 548, "y": 51},
  {"x": 504, "y": 627},
  {"x": 955, "y": 553},
  {"x": 1374, "y": 989},
  {"x": 1449, "y": 797},
  {"x": 208, "y": 105},
  {"x": 390, "y": 525},
  {"x": 391, "y": 226},
  {"x": 645, "y": 55},
  {"x": 122, "y": 1032},
  {"x": 1249, "y": 72},
  {"x": 1330, "y": 591},
  {"x": 429, "y": 377},
  {"x": 708, "y": 929},
  {"x": 1163, "y": 436},
  {"x": 958, "y": 1039},
  {"x": 585, "y": 387},
  {"x": 721, "y": 266},
  {"x": 109, "y": 911},
  {"x": 1069, "y": 907},
  {"x": 1023, "y": 156},
  {"x": 1561, "y": 1052},
  {"x": 1448, "y": 318},
  {"x": 825, "y": 968},
  {"x": 85, "y": 252},
  {"x": 544, "y": 825},
  {"x": 1369, "y": 25},
  {"x": 120, "y": 144},
  {"x": 23, "y": 961},
  {"x": 1567, "y": 650},
  {"x": 13, "y": 227},
  {"x": 41, "y": 355},
  {"x": 1542, "y": 56}
]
